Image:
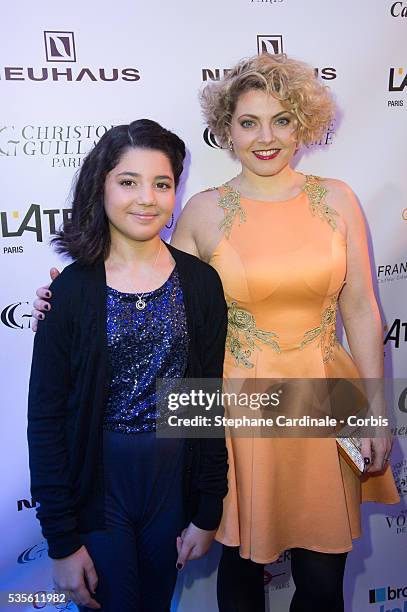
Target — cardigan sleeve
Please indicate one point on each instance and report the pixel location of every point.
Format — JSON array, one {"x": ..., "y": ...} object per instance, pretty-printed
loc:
[
  {"x": 47, "y": 417},
  {"x": 212, "y": 475}
]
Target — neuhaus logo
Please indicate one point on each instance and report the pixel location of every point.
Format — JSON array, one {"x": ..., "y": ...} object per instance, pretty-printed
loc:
[
  {"x": 25, "y": 503},
  {"x": 266, "y": 43},
  {"x": 270, "y": 43},
  {"x": 60, "y": 47}
]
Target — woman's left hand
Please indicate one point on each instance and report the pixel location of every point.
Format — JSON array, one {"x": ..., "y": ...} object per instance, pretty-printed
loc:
[
  {"x": 377, "y": 451},
  {"x": 193, "y": 543}
]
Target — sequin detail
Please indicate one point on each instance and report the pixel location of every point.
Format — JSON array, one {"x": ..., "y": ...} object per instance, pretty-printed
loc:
[
  {"x": 230, "y": 202},
  {"x": 326, "y": 332},
  {"x": 143, "y": 345},
  {"x": 242, "y": 335},
  {"x": 316, "y": 194}
]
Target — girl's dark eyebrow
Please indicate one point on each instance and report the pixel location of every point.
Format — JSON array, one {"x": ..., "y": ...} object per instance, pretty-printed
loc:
[{"x": 137, "y": 175}]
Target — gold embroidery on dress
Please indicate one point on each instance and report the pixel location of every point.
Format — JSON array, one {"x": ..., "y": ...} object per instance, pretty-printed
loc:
[
  {"x": 326, "y": 331},
  {"x": 242, "y": 323},
  {"x": 316, "y": 194},
  {"x": 230, "y": 202}
]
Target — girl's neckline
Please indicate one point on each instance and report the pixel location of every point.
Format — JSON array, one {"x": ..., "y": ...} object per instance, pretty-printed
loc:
[
  {"x": 308, "y": 179},
  {"x": 145, "y": 293}
]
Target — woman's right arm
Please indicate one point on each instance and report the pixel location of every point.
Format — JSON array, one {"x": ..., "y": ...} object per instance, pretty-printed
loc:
[
  {"x": 49, "y": 388},
  {"x": 41, "y": 303}
]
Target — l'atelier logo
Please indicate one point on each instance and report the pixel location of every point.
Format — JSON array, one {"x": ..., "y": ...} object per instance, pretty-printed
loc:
[
  {"x": 397, "y": 79},
  {"x": 60, "y": 46}
]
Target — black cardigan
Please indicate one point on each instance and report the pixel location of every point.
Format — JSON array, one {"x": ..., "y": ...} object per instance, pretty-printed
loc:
[{"x": 68, "y": 392}]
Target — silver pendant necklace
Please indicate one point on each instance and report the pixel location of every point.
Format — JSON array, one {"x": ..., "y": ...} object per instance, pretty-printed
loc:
[{"x": 141, "y": 303}]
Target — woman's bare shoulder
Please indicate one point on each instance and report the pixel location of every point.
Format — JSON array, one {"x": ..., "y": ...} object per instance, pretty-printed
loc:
[
  {"x": 202, "y": 201},
  {"x": 341, "y": 197}
]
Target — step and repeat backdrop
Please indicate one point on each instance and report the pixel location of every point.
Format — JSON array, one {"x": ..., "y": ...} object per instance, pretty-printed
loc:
[{"x": 70, "y": 72}]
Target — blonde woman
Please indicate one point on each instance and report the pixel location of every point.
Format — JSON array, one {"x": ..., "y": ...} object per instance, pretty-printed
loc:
[{"x": 289, "y": 248}]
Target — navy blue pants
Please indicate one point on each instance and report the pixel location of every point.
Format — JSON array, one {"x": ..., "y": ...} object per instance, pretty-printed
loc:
[{"x": 135, "y": 556}]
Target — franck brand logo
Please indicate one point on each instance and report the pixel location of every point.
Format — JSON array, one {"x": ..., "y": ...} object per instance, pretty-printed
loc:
[
  {"x": 270, "y": 43},
  {"x": 60, "y": 46},
  {"x": 392, "y": 272}
]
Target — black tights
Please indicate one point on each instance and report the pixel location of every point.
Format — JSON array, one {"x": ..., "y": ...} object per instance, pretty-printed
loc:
[{"x": 318, "y": 578}]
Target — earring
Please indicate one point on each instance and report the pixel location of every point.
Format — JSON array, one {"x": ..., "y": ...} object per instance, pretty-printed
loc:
[
  {"x": 230, "y": 144},
  {"x": 172, "y": 222}
]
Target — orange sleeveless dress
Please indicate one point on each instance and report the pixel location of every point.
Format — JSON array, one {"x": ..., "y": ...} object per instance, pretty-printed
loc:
[{"x": 282, "y": 266}]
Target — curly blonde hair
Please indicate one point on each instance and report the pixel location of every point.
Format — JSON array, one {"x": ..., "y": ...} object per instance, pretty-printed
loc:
[{"x": 292, "y": 82}]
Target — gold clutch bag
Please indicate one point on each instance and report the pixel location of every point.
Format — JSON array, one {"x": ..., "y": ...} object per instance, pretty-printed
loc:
[{"x": 349, "y": 449}]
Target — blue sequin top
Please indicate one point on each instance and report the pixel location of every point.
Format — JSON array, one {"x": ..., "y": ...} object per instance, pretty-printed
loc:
[{"x": 143, "y": 345}]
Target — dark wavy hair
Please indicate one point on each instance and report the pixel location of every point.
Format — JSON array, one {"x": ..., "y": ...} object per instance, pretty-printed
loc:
[{"x": 85, "y": 236}]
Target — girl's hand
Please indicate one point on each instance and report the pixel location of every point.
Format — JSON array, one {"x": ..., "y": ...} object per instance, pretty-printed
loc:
[
  {"x": 73, "y": 575},
  {"x": 40, "y": 305},
  {"x": 193, "y": 543},
  {"x": 377, "y": 451}
]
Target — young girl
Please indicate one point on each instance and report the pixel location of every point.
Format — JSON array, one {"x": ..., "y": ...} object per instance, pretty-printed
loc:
[{"x": 130, "y": 309}]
